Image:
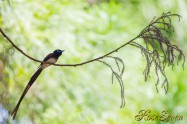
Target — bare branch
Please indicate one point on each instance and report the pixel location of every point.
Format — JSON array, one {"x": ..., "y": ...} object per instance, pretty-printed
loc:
[
  {"x": 73, "y": 65},
  {"x": 157, "y": 49}
]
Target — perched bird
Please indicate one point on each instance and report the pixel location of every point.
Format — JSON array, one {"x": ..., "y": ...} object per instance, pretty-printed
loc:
[{"x": 51, "y": 58}]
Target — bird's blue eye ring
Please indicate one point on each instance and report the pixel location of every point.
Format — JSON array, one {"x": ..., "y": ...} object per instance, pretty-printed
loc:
[{"x": 59, "y": 51}]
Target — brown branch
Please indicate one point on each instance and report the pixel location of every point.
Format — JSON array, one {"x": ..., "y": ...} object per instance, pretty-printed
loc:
[
  {"x": 157, "y": 49},
  {"x": 142, "y": 34},
  {"x": 74, "y": 65}
]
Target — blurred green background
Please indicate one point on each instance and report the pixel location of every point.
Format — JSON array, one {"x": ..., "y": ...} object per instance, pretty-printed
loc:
[{"x": 85, "y": 30}]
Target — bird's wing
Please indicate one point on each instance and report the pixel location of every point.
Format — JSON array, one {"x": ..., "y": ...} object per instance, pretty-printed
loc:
[
  {"x": 49, "y": 58},
  {"x": 46, "y": 58}
]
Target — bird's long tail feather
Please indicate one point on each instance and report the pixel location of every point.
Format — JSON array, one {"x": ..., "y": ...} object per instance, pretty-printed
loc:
[{"x": 33, "y": 78}]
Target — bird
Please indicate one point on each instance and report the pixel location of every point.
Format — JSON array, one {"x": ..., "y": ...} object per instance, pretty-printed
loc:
[{"x": 50, "y": 58}]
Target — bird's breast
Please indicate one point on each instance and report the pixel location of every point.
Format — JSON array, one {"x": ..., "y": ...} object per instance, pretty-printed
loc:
[{"x": 51, "y": 60}]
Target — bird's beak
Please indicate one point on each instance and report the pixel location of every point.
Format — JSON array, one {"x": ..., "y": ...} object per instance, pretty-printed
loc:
[{"x": 63, "y": 50}]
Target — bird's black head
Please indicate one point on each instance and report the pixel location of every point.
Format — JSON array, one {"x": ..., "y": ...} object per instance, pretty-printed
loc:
[{"x": 58, "y": 52}]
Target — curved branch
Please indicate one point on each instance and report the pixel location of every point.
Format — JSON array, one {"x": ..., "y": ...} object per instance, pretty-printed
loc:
[
  {"x": 157, "y": 49},
  {"x": 118, "y": 77},
  {"x": 74, "y": 65},
  {"x": 142, "y": 34}
]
